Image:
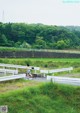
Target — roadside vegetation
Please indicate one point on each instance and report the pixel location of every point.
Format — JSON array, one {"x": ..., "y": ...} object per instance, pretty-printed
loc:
[
  {"x": 46, "y": 98},
  {"x": 9, "y": 49},
  {"x": 14, "y": 85},
  {"x": 24, "y": 96},
  {"x": 46, "y": 63}
]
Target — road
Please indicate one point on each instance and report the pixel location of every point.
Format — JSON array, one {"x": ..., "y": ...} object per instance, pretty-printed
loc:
[{"x": 61, "y": 80}]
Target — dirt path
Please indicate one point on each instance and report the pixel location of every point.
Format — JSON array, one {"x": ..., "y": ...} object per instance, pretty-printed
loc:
[{"x": 15, "y": 85}]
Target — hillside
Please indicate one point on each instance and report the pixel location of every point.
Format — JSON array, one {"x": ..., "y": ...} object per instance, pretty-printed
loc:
[
  {"x": 47, "y": 98},
  {"x": 39, "y": 36}
]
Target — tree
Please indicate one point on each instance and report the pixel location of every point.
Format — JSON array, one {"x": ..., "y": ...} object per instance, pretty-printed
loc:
[
  {"x": 25, "y": 45},
  {"x": 61, "y": 44},
  {"x": 3, "y": 40},
  {"x": 17, "y": 44},
  {"x": 40, "y": 43},
  {"x": 39, "y": 36}
]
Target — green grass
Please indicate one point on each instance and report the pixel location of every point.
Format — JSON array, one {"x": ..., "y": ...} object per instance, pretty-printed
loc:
[
  {"x": 35, "y": 60},
  {"x": 12, "y": 49},
  {"x": 14, "y": 85},
  {"x": 46, "y": 98},
  {"x": 27, "y": 49},
  {"x": 50, "y": 63}
]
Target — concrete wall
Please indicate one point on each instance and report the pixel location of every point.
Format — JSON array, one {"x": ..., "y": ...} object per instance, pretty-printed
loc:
[{"x": 38, "y": 54}]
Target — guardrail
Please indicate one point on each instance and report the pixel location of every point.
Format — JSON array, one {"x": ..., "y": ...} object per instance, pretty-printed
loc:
[
  {"x": 61, "y": 70},
  {"x": 64, "y": 80},
  {"x": 17, "y": 66},
  {"x": 5, "y": 71},
  {"x": 12, "y": 66},
  {"x": 56, "y": 70},
  {"x": 5, "y": 66},
  {"x": 6, "y": 78}
]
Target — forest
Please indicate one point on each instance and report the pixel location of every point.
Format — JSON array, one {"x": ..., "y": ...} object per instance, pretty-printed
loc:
[{"x": 39, "y": 36}]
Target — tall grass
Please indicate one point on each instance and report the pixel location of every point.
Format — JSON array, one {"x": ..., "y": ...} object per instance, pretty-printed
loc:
[
  {"x": 47, "y": 98},
  {"x": 50, "y": 63}
]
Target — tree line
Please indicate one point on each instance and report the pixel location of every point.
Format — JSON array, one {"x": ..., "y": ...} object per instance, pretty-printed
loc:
[{"x": 39, "y": 36}]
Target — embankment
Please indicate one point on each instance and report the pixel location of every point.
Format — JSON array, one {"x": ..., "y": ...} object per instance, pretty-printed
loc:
[{"x": 37, "y": 54}]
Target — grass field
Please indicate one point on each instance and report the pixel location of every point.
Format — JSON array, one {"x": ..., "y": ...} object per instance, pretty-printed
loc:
[
  {"x": 34, "y": 61},
  {"x": 45, "y": 98},
  {"x": 23, "y": 96},
  {"x": 48, "y": 50},
  {"x": 50, "y": 63},
  {"x": 14, "y": 85}
]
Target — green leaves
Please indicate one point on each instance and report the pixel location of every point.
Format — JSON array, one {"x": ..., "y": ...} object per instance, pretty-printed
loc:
[{"x": 39, "y": 36}]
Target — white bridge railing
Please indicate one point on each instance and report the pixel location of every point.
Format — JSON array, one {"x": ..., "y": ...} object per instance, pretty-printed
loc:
[
  {"x": 56, "y": 70},
  {"x": 12, "y": 66},
  {"x": 6, "y": 78},
  {"x": 61, "y": 70},
  {"x": 4, "y": 66},
  {"x": 13, "y": 69},
  {"x": 64, "y": 80},
  {"x": 5, "y": 71}
]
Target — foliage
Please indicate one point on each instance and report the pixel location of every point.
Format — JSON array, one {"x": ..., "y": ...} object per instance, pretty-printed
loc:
[
  {"x": 61, "y": 44},
  {"x": 39, "y": 36},
  {"x": 48, "y": 98}
]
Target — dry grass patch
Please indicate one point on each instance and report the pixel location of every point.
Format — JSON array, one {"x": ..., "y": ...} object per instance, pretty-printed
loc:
[{"x": 16, "y": 84}]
